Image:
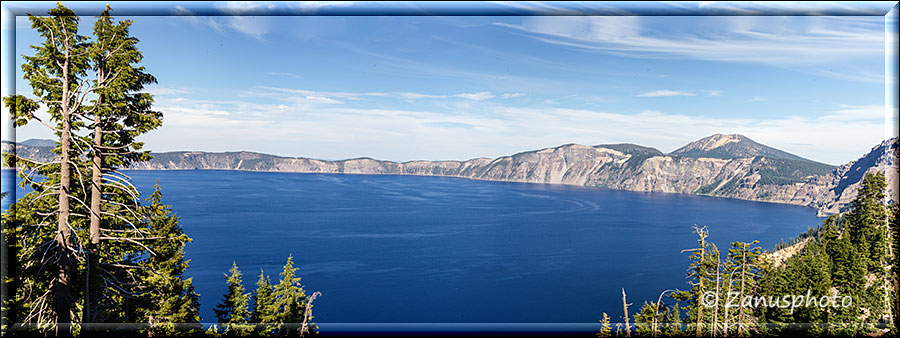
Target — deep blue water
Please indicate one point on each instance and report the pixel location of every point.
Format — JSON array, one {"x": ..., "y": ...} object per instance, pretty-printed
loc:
[{"x": 407, "y": 249}]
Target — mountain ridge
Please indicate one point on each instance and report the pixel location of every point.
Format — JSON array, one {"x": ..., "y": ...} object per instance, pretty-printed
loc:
[
  {"x": 732, "y": 146},
  {"x": 748, "y": 170}
]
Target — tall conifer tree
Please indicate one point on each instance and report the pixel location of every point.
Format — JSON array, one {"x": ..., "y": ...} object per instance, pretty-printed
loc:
[
  {"x": 746, "y": 267},
  {"x": 263, "y": 305},
  {"x": 119, "y": 113},
  {"x": 701, "y": 277},
  {"x": 88, "y": 199},
  {"x": 171, "y": 298},
  {"x": 234, "y": 309},
  {"x": 56, "y": 73},
  {"x": 290, "y": 302}
]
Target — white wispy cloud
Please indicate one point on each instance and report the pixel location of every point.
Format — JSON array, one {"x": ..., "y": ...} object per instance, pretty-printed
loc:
[
  {"x": 330, "y": 131},
  {"x": 735, "y": 38},
  {"x": 319, "y": 99},
  {"x": 857, "y": 113},
  {"x": 512, "y": 95},
  {"x": 758, "y": 99},
  {"x": 411, "y": 96},
  {"x": 237, "y": 20},
  {"x": 285, "y": 74},
  {"x": 665, "y": 92},
  {"x": 253, "y": 26},
  {"x": 312, "y": 6},
  {"x": 159, "y": 90},
  {"x": 302, "y": 124},
  {"x": 477, "y": 96},
  {"x": 181, "y": 10},
  {"x": 244, "y": 7},
  {"x": 322, "y": 95},
  {"x": 316, "y": 94}
]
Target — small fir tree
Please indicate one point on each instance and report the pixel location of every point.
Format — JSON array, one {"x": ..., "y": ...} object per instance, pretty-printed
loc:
[
  {"x": 263, "y": 305},
  {"x": 290, "y": 302},
  {"x": 605, "y": 329},
  {"x": 233, "y": 312},
  {"x": 172, "y": 298}
]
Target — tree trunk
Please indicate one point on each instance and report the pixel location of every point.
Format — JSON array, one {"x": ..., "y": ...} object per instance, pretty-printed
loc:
[
  {"x": 725, "y": 309},
  {"x": 700, "y": 285},
  {"x": 886, "y": 267},
  {"x": 96, "y": 198},
  {"x": 656, "y": 313},
  {"x": 625, "y": 309},
  {"x": 64, "y": 271},
  {"x": 741, "y": 301},
  {"x": 716, "y": 309}
]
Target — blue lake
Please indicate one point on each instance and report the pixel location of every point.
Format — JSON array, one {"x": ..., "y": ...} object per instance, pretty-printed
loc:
[{"x": 408, "y": 249}]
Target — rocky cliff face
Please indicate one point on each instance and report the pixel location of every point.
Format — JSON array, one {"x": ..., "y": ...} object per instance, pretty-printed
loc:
[
  {"x": 844, "y": 181},
  {"x": 730, "y": 166}
]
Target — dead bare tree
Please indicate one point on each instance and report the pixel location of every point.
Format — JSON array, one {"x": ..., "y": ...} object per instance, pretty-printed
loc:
[
  {"x": 625, "y": 309},
  {"x": 304, "y": 327},
  {"x": 715, "y": 322},
  {"x": 699, "y": 271},
  {"x": 656, "y": 311}
]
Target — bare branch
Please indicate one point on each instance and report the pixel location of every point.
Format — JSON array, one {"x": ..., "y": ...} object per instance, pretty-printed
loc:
[{"x": 132, "y": 239}]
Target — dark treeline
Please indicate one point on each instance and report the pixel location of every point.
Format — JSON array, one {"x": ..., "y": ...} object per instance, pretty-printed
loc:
[
  {"x": 841, "y": 281},
  {"x": 84, "y": 252}
]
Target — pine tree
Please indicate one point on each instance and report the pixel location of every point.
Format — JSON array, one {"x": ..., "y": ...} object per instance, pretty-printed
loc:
[
  {"x": 233, "y": 311},
  {"x": 605, "y": 329},
  {"x": 55, "y": 73},
  {"x": 80, "y": 198},
  {"x": 171, "y": 298},
  {"x": 263, "y": 305},
  {"x": 871, "y": 233},
  {"x": 673, "y": 320},
  {"x": 726, "y": 292},
  {"x": 859, "y": 251},
  {"x": 868, "y": 218},
  {"x": 745, "y": 260},
  {"x": 290, "y": 302},
  {"x": 645, "y": 317},
  {"x": 809, "y": 270},
  {"x": 119, "y": 113},
  {"x": 894, "y": 241},
  {"x": 701, "y": 277},
  {"x": 6, "y": 302},
  {"x": 848, "y": 271},
  {"x": 717, "y": 287}
]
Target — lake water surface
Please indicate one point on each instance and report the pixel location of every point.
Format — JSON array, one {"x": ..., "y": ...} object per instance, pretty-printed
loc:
[{"x": 408, "y": 249}]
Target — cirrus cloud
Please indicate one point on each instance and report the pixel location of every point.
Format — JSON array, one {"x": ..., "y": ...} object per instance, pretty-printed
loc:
[{"x": 665, "y": 92}]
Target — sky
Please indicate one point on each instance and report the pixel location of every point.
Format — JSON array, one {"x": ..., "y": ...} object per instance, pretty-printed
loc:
[{"x": 458, "y": 87}]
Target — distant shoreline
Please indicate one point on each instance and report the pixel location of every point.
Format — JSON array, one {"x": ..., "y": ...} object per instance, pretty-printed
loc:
[
  {"x": 818, "y": 214},
  {"x": 722, "y": 166}
]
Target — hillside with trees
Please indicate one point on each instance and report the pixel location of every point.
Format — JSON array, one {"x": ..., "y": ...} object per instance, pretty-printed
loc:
[{"x": 841, "y": 281}]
